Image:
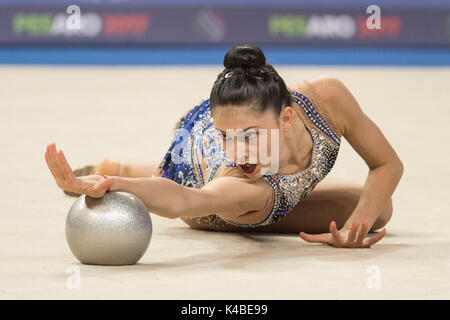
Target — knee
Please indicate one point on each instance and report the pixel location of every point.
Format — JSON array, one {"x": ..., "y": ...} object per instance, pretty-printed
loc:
[{"x": 385, "y": 216}]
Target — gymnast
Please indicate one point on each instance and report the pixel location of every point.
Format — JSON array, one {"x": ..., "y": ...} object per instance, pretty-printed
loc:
[{"x": 254, "y": 157}]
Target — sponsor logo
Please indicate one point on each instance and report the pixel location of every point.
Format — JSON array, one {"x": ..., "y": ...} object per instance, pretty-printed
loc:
[
  {"x": 390, "y": 27},
  {"x": 211, "y": 24},
  {"x": 90, "y": 26},
  {"x": 125, "y": 24},
  {"x": 314, "y": 26},
  {"x": 87, "y": 24},
  {"x": 48, "y": 24},
  {"x": 34, "y": 24}
]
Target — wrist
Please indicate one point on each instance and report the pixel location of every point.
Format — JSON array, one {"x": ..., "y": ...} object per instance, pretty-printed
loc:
[{"x": 119, "y": 184}]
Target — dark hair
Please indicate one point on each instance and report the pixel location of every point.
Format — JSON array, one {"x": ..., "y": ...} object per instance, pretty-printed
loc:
[{"x": 249, "y": 80}]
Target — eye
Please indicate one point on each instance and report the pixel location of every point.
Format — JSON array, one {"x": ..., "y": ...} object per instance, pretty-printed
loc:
[
  {"x": 221, "y": 135},
  {"x": 251, "y": 135},
  {"x": 227, "y": 138}
]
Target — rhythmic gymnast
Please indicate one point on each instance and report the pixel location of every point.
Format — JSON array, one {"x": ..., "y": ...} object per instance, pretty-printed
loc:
[{"x": 215, "y": 175}]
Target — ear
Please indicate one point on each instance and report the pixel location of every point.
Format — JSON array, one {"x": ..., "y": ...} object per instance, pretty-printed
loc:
[{"x": 286, "y": 118}]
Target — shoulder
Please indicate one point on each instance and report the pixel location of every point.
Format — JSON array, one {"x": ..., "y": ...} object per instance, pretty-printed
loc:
[
  {"x": 336, "y": 99},
  {"x": 327, "y": 89}
]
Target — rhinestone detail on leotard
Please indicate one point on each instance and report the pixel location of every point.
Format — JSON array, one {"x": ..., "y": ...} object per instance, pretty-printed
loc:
[{"x": 196, "y": 139}]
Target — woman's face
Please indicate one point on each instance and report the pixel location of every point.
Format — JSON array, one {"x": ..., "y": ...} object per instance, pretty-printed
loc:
[{"x": 251, "y": 139}]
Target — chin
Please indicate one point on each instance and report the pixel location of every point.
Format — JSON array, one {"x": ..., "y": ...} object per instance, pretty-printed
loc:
[
  {"x": 248, "y": 169},
  {"x": 254, "y": 176}
]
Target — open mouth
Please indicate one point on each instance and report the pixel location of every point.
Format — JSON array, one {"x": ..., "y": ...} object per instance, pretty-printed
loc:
[{"x": 248, "y": 168}]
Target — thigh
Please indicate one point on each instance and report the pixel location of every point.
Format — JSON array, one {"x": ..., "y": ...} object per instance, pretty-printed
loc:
[
  {"x": 141, "y": 170},
  {"x": 332, "y": 199}
]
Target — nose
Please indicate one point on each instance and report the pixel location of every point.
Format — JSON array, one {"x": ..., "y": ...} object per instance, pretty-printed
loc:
[
  {"x": 241, "y": 152},
  {"x": 242, "y": 158},
  {"x": 236, "y": 156}
]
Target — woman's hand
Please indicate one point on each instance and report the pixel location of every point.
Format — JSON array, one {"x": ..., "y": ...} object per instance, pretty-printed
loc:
[
  {"x": 94, "y": 186},
  {"x": 345, "y": 238}
]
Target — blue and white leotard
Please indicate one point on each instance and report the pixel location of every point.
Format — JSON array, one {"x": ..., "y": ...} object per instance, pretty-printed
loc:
[{"x": 196, "y": 154}]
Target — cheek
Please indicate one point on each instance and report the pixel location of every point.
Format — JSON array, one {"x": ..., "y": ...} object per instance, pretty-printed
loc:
[
  {"x": 269, "y": 143},
  {"x": 275, "y": 141},
  {"x": 231, "y": 151},
  {"x": 270, "y": 156}
]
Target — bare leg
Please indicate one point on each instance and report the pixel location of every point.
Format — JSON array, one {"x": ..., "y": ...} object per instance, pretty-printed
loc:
[
  {"x": 332, "y": 199},
  {"x": 137, "y": 170}
]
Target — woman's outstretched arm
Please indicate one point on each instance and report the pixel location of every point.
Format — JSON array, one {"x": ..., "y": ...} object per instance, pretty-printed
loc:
[{"x": 228, "y": 197}]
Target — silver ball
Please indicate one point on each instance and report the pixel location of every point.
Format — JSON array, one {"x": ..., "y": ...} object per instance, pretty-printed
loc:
[{"x": 113, "y": 230}]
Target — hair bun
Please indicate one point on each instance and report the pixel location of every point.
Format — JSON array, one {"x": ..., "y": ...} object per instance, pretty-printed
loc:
[{"x": 244, "y": 56}]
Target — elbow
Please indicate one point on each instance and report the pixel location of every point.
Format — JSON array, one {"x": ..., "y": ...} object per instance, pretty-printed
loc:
[
  {"x": 169, "y": 212},
  {"x": 400, "y": 168},
  {"x": 181, "y": 207},
  {"x": 181, "y": 204},
  {"x": 174, "y": 212},
  {"x": 396, "y": 167}
]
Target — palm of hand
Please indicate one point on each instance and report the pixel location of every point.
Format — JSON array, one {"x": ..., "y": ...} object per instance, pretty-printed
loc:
[
  {"x": 93, "y": 185},
  {"x": 355, "y": 237}
]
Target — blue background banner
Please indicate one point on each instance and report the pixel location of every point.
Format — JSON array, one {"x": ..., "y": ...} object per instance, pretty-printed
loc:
[
  {"x": 413, "y": 32},
  {"x": 343, "y": 23},
  {"x": 249, "y": 3}
]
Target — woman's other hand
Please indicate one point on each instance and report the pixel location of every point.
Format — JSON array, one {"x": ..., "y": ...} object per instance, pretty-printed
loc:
[{"x": 355, "y": 237}]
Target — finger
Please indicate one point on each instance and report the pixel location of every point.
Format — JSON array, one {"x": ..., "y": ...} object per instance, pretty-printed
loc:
[
  {"x": 362, "y": 233},
  {"x": 59, "y": 162},
  {"x": 50, "y": 167},
  {"x": 353, "y": 233},
  {"x": 53, "y": 157},
  {"x": 65, "y": 167},
  {"x": 374, "y": 239},
  {"x": 335, "y": 234},
  {"x": 315, "y": 238},
  {"x": 51, "y": 154}
]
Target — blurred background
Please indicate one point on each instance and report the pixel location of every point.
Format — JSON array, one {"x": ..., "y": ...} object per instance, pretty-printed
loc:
[{"x": 368, "y": 32}]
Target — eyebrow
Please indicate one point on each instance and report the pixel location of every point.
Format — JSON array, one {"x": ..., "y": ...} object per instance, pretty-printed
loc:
[{"x": 243, "y": 130}]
